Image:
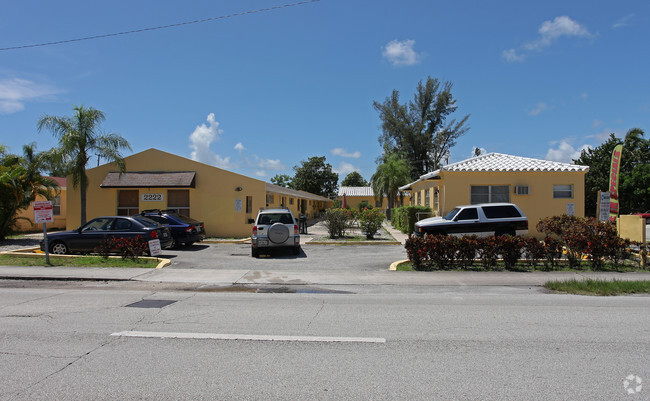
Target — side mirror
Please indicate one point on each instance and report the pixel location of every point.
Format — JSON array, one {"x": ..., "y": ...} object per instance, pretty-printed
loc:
[{"x": 251, "y": 221}]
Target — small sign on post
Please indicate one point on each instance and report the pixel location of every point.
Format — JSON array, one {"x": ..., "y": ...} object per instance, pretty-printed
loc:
[
  {"x": 154, "y": 247},
  {"x": 603, "y": 206},
  {"x": 43, "y": 214}
]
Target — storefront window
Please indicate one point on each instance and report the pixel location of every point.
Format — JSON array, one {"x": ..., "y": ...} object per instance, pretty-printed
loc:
[
  {"x": 128, "y": 202},
  {"x": 178, "y": 200}
]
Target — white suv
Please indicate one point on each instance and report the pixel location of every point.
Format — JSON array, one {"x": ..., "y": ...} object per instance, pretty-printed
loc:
[{"x": 275, "y": 228}]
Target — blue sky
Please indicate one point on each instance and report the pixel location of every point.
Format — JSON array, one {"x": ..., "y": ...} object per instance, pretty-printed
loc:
[{"x": 260, "y": 92}]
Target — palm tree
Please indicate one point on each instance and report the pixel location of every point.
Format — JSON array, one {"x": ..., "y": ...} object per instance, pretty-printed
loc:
[
  {"x": 20, "y": 184},
  {"x": 79, "y": 137},
  {"x": 390, "y": 175}
]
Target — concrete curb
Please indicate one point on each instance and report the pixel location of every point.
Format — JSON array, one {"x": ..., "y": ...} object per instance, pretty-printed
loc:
[
  {"x": 394, "y": 265},
  {"x": 227, "y": 241},
  {"x": 352, "y": 243},
  {"x": 32, "y": 253}
]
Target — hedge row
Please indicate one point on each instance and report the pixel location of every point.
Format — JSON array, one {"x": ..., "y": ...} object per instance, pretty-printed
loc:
[{"x": 404, "y": 218}]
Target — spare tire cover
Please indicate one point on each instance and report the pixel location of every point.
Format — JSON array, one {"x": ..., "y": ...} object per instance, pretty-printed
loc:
[{"x": 278, "y": 233}]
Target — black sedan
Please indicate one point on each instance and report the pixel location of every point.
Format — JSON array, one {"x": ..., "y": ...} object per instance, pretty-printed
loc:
[
  {"x": 88, "y": 237},
  {"x": 185, "y": 230}
]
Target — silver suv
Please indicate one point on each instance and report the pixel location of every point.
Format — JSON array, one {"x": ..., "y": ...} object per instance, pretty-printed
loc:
[{"x": 275, "y": 228}]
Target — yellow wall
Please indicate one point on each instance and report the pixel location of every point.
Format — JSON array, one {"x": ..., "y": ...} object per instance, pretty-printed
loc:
[
  {"x": 58, "y": 223},
  {"x": 455, "y": 190},
  {"x": 354, "y": 201},
  {"x": 211, "y": 201}
]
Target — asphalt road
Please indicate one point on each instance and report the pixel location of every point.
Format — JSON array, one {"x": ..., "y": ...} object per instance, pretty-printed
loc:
[
  {"x": 487, "y": 343},
  {"x": 312, "y": 257}
]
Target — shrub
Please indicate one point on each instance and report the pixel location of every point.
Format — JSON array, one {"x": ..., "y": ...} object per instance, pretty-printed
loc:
[
  {"x": 467, "y": 249},
  {"x": 364, "y": 205},
  {"x": 552, "y": 251},
  {"x": 510, "y": 249},
  {"x": 533, "y": 250},
  {"x": 126, "y": 247},
  {"x": 416, "y": 252},
  {"x": 404, "y": 218},
  {"x": 336, "y": 221},
  {"x": 488, "y": 250},
  {"x": 370, "y": 221}
]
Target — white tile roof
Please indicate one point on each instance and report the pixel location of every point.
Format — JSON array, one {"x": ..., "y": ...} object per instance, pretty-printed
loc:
[
  {"x": 499, "y": 162},
  {"x": 356, "y": 191}
]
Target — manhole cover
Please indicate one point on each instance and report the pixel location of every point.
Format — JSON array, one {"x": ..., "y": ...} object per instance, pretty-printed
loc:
[{"x": 150, "y": 303}]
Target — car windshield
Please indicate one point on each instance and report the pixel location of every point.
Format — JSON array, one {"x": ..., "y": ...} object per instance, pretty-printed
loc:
[
  {"x": 146, "y": 222},
  {"x": 272, "y": 218},
  {"x": 452, "y": 214}
]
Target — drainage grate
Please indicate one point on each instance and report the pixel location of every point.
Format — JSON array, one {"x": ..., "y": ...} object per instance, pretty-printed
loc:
[{"x": 150, "y": 303}]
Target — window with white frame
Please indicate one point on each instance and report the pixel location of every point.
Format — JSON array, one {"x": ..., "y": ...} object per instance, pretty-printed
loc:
[
  {"x": 562, "y": 191},
  {"x": 427, "y": 198},
  {"x": 56, "y": 206},
  {"x": 489, "y": 193}
]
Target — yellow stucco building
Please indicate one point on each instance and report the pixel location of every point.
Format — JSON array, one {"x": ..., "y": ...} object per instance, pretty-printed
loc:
[
  {"x": 540, "y": 188},
  {"x": 59, "y": 207},
  {"x": 355, "y": 195},
  {"x": 223, "y": 200}
]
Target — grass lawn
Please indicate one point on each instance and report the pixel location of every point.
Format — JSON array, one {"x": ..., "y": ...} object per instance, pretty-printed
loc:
[
  {"x": 83, "y": 261},
  {"x": 599, "y": 287}
]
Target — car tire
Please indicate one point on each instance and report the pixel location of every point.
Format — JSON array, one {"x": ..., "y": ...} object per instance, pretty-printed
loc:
[
  {"x": 59, "y": 248},
  {"x": 255, "y": 252},
  {"x": 278, "y": 233},
  {"x": 174, "y": 244}
]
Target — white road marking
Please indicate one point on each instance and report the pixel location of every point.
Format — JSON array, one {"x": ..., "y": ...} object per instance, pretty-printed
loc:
[{"x": 246, "y": 337}]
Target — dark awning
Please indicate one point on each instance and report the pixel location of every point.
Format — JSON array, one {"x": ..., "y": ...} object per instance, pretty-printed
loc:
[{"x": 150, "y": 179}]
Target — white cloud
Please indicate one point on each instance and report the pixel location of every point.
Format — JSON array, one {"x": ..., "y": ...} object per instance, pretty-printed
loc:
[
  {"x": 261, "y": 173},
  {"x": 240, "y": 146},
  {"x": 344, "y": 153},
  {"x": 200, "y": 141},
  {"x": 401, "y": 52},
  {"x": 344, "y": 169},
  {"x": 269, "y": 164},
  {"x": 565, "y": 152},
  {"x": 549, "y": 32},
  {"x": 622, "y": 22},
  {"x": 511, "y": 56},
  {"x": 539, "y": 108},
  {"x": 15, "y": 92},
  {"x": 483, "y": 151}
]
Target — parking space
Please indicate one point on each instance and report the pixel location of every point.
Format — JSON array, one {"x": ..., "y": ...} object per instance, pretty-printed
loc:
[{"x": 312, "y": 257}]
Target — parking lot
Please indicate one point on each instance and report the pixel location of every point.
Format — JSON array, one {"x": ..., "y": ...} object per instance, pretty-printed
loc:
[{"x": 312, "y": 257}]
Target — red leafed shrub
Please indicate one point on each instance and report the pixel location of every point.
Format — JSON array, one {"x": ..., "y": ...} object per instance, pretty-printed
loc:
[
  {"x": 533, "y": 250},
  {"x": 488, "y": 251},
  {"x": 467, "y": 249},
  {"x": 509, "y": 248},
  {"x": 416, "y": 252},
  {"x": 126, "y": 247}
]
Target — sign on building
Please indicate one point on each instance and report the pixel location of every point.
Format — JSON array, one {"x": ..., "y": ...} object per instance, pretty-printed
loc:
[
  {"x": 603, "y": 206},
  {"x": 43, "y": 212}
]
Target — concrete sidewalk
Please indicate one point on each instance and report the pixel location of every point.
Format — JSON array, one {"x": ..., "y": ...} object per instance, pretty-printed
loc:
[{"x": 324, "y": 277}]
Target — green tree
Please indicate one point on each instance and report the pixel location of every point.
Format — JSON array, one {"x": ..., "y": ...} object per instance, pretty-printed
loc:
[
  {"x": 634, "y": 172},
  {"x": 354, "y": 179},
  {"x": 20, "y": 184},
  {"x": 315, "y": 176},
  {"x": 282, "y": 180},
  {"x": 390, "y": 175},
  {"x": 79, "y": 138},
  {"x": 419, "y": 130}
]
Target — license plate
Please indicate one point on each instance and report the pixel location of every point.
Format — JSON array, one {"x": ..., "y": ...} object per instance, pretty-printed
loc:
[{"x": 262, "y": 242}]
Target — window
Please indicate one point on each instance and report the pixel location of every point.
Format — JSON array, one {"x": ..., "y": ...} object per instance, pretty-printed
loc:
[
  {"x": 249, "y": 204},
  {"x": 379, "y": 203},
  {"x": 427, "y": 200},
  {"x": 128, "y": 202},
  {"x": 178, "y": 200},
  {"x": 468, "y": 214},
  {"x": 436, "y": 195},
  {"x": 56, "y": 206},
  {"x": 499, "y": 212},
  {"x": 270, "y": 199},
  {"x": 291, "y": 201},
  {"x": 489, "y": 193},
  {"x": 563, "y": 191}
]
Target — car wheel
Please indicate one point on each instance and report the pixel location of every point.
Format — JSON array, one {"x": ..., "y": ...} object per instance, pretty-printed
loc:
[
  {"x": 255, "y": 252},
  {"x": 296, "y": 250},
  {"x": 174, "y": 244},
  {"x": 278, "y": 233},
  {"x": 58, "y": 248}
]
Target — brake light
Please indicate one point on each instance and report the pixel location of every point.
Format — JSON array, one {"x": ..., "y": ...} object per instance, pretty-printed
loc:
[
  {"x": 153, "y": 234},
  {"x": 189, "y": 229},
  {"x": 254, "y": 230},
  {"x": 295, "y": 230}
]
